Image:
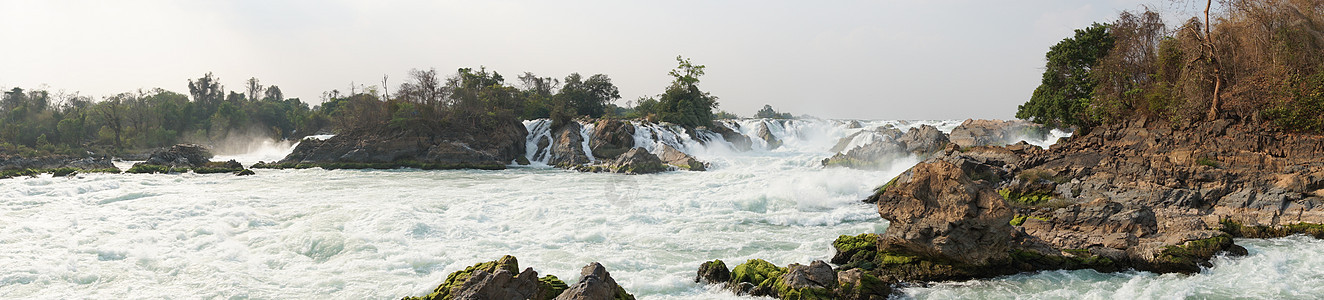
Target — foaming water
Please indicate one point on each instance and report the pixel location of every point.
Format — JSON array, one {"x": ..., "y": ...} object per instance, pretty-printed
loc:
[
  {"x": 390, "y": 233},
  {"x": 1284, "y": 268}
]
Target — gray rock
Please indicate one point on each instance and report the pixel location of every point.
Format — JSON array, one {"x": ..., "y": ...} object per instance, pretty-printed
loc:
[{"x": 595, "y": 283}]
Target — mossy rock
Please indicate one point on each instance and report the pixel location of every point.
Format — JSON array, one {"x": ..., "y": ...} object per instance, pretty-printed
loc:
[
  {"x": 852, "y": 249},
  {"x": 1025, "y": 198},
  {"x": 245, "y": 172},
  {"x": 757, "y": 272},
  {"x": 18, "y": 172},
  {"x": 455, "y": 280},
  {"x": 149, "y": 169},
  {"x": 65, "y": 171},
  {"x": 1236, "y": 229},
  {"x": 714, "y": 271},
  {"x": 1191, "y": 255},
  {"x": 551, "y": 287}
]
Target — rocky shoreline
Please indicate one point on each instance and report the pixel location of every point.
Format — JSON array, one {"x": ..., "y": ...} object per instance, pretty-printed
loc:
[{"x": 1140, "y": 195}]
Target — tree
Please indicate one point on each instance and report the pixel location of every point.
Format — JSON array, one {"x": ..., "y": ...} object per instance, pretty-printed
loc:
[
  {"x": 1066, "y": 89},
  {"x": 683, "y": 103},
  {"x": 112, "y": 116},
  {"x": 588, "y": 97},
  {"x": 768, "y": 113},
  {"x": 254, "y": 89},
  {"x": 273, "y": 93}
]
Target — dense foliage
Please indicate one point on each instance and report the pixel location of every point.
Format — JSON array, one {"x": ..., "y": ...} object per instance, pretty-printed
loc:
[
  {"x": 768, "y": 113},
  {"x": 470, "y": 100},
  {"x": 36, "y": 122},
  {"x": 683, "y": 103},
  {"x": 1066, "y": 88},
  {"x": 1256, "y": 61}
]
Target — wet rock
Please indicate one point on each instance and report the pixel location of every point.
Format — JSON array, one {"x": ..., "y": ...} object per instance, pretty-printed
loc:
[
  {"x": 245, "y": 172},
  {"x": 15, "y": 163},
  {"x": 713, "y": 272},
  {"x": 637, "y": 161},
  {"x": 856, "y": 284},
  {"x": 496, "y": 280},
  {"x": 674, "y": 157},
  {"x": 595, "y": 283},
  {"x": 568, "y": 146},
  {"x": 611, "y": 138},
  {"x": 767, "y": 136},
  {"x": 816, "y": 275},
  {"x": 181, "y": 155},
  {"x": 853, "y": 124},
  {"x": 739, "y": 141}
]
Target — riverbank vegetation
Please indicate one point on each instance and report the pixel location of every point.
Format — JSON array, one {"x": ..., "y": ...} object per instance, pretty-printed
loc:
[
  {"x": 35, "y": 122},
  {"x": 1259, "y": 61}
]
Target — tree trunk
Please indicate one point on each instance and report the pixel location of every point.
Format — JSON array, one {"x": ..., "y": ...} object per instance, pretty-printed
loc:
[{"x": 1213, "y": 60}]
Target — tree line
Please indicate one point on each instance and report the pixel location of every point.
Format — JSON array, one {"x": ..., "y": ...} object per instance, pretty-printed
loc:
[
  {"x": 37, "y": 122},
  {"x": 1260, "y": 61}
]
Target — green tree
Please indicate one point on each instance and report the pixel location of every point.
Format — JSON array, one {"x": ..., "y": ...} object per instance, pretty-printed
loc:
[
  {"x": 683, "y": 103},
  {"x": 768, "y": 113},
  {"x": 1063, "y": 96}
]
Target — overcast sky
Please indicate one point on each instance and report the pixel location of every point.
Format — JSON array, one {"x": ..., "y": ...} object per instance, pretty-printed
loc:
[{"x": 836, "y": 59}]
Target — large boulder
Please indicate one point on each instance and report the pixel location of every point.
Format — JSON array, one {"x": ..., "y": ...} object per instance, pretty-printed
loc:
[
  {"x": 181, "y": 155},
  {"x": 595, "y": 283},
  {"x": 996, "y": 132},
  {"x": 937, "y": 210},
  {"x": 496, "y": 280},
  {"x": 674, "y": 157},
  {"x": 741, "y": 142},
  {"x": 923, "y": 139},
  {"x": 611, "y": 138},
  {"x": 568, "y": 146},
  {"x": 637, "y": 161},
  {"x": 713, "y": 272}
]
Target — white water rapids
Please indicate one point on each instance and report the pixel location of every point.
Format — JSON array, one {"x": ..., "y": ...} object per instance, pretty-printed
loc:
[{"x": 378, "y": 234}]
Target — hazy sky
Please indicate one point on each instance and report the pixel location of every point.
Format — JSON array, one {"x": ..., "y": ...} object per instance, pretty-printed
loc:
[{"x": 838, "y": 59}]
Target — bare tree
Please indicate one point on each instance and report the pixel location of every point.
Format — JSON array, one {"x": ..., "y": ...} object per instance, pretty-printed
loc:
[{"x": 254, "y": 89}]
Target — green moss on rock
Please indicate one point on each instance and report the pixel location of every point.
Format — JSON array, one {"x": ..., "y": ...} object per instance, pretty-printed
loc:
[
  {"x": 551, "y": 287},
  {"x": 446, "y": 290},
  {"x": 1238, "y": 230},
  {"x": 757, "y": 272}
]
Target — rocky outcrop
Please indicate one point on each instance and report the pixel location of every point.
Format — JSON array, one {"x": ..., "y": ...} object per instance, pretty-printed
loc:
[
  {"x": 881, "y": 133},
  {"x": 595, "y": 283},
  {"x": 923, "y": 139},
  {"x": 500, "y": 279},
  {"x": 996, "y": 132},
  {"x": 14, "y": 165},
  {"x": 766, "y": 134},
  {"x": 184, "y": 158},
  {"x": 678, "y": 159},
  {"x": 568, "y": 146},
  {"x": 887, "y": 148},
  {"x": 611, "y": 138},
  {"x": 384, "y": 147},
  {"x": 633, "y": 162},
  {"x": 737, "y": 140},
  {"x": 713, "y": 272},
  {"x": 1140, "y": 194}
]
